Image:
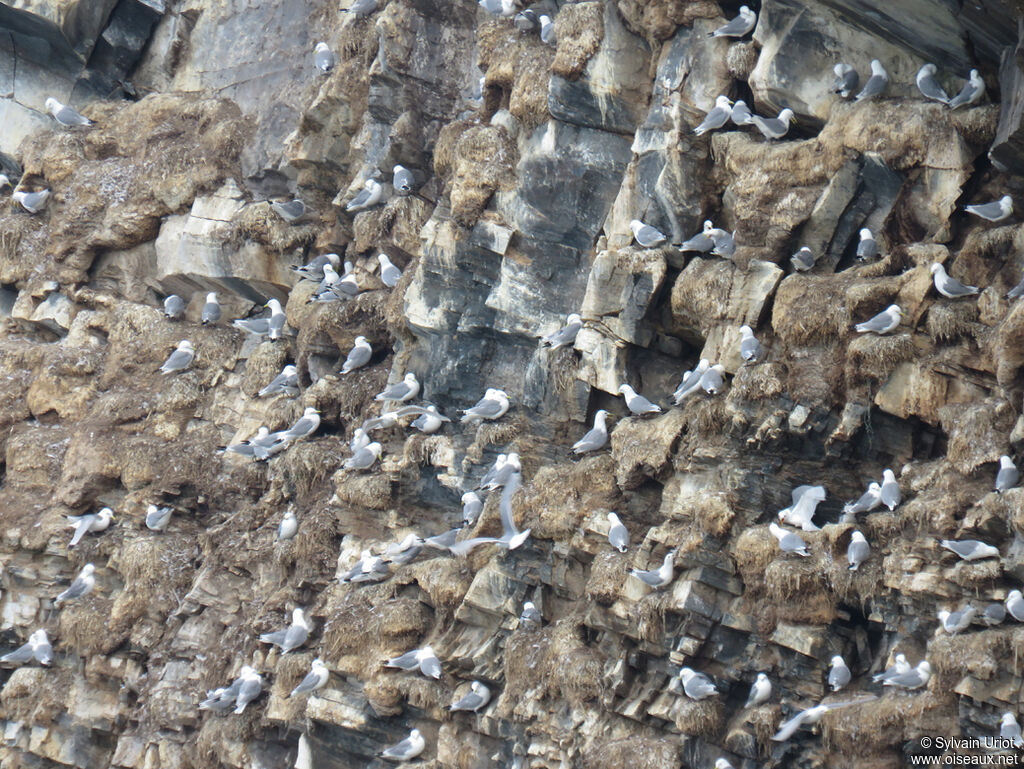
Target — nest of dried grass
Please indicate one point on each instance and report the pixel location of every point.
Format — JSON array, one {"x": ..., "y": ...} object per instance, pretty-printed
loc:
[
  {"x": 634, "y": 752},
  {"x": 703, "y": 718},
  {"x": 871, "y": 358},
  {"x": 561, "y": 496},
  {"x": 579, "y": 31},
  {"x": 950, "y": 322},
  {"x": 608, "y": 573}
]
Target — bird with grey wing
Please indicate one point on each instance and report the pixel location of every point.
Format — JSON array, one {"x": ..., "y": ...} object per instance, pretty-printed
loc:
[
  {"x": 696, "y": 686},
  {"x": 405, "y": 551},
  {"x": 789, "y": 542},
  {"x": 886, "y": 321},
  {"x": 314, "y": 269},
  {"x": 970, "y": 549},
  {"x": 158, "y": 518},
  {"x": 717, "y": 117},
  {"x": 494, "y": 405},
  {"x": 566, "y": 335},
  {"x": 618, "y": 535},
  {"x": 950, "y": 287},
  {"x": 211, "y": 310},
  {"x": 92, "y": 522},
  {"x": 315, "y": 679},
  {"x": 368, "y": 197},
  {"x": 292, "y": 636},
  {"x": 65, "y": 115},
  {"x": 369, "y": 568},
  {"x": 739, "y": 26},
  {"x": 876, "y": 84},
  {"x": 971, "y": 93},
  {"x": 33, "y": 202},
  {"x": 323, "y": 58},
  {"x": 180, "y": 359},
  {"x": 389, "y": 274},
  {"x": 929, "y": 86},
  {"x": 174, "y": 307},
  {"x": 401, "y": 391},
  {"x": 660, "y": 577},
  {"x": 287, "y": 382},
  {"x": 594, "y": 439},
  {"x": 636, "y": 403},
  {"x": 292, "y": 211},
  {"x": 406, "y": 750},
  {"x": 750, "y": 349},
  {"x": 647, "y": 236},
  {"x": 477, "y": 697},
  {"x": 839, "y": 674},
  {"x": 773, "y": 127},
  {"x": 81, "y": 587},
  {"x": 995, "y": 211},
  {"x": 846, "y": 81},
  {"x": 423, "y": 660},
  {"x": 702, "y": 242},
  {"x": 37, "y": 648},
  {"x": 857, "y": 551}
]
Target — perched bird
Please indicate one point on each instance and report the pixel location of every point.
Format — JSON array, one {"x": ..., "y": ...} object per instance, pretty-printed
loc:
[
  {"x": 993, "y": 212},
  {"x": 429, "y": 420},
  {"x": 547, "y": 30},
  {"x": 595, "y": 438},
  {"x": 472, "y": 506},
  {"x": 805, "y": 502},
  {"x": 760, "y": 691},
  {"x": 249, "y": 688},
  {"x": 839, "y": 675},
  {"x": 658, "y": 578},
  {"x": 1009, "y": 729},
  {"x": 788, "y": 541},
  {"x": 1015, "y": 605},
  {"x": 361, "y": 8},
  {"x": 81, "y": 587},
  {"x": 725, "y": 243},
  {"x": 646, "y": 235},
  {"x": 38, "y": 648},
  {"x": 403, "y": 180},
  {"x": 314, "y": 269},
  {"x": 293, "y": 636},
  {"x": 702, "y": 241},
  {"x": 869, "y": 500},
  {"x": 402, "y": 391},
  {"x": 358, "y": 356},
  {"x": 638, "y": 404},
  {"x": 773, "y": 128},
  {"x": 272, "y": 326},
  {"x": 808, "y": 716},
  {"x": 369, "y": 568},
  {"x": 566, "y": 335},
  {"x": 64, "y": 114},
  {"x": 717, "y": 117},
  {"x": 970, "y": 549},
  {"x": 504, "y": 8},
  {"x": 950, "y": 288},
  {"x": 618, "y": 535},
  {"x": 423, "y": 660},
  {"x": 286, "y": 382},
  {"x": 292, "y": 211},
  {"x": 383, "y": 422},
  {"x": 501, "y": 471},
  {"x": 857, "y": 551},
  {"x": 899, "y": 667},
  {"x": 407, "y": 749},
  {"x": 1008, "y": 476},
  {"x": 368, "y": 197},
  {"x": 33, "y": 202},
  {"x": 530, "y": 615},
  {"x": 493, "y": 405},
  {"x": 174, "y": 307},
  {"x": 526, "y": 21},
  {"x": 750, "y": 349},
  {"x": 158, "y": 518},
  {"x": 211, "y": 310},
  {"x": 260, "y": 447},
  {"x": 365, "y": 458},
  {"x": 876, "y": 84},
  {"x": 929, "y": 86},
  {"x": 323, "y": 58},
  {"x": 867, "y": 248},
  {"x": 846, "y": 81},
  {"x": 971, "y": 93},
  {"x": 993, "y": 614},
  {"x": 389, "y": 274},
  {"x": 93, "y": 522},
  {"x": 405, "y": 551},
  {"x": 180, "y": 359},
  {"x": 315, "y": 679},
  {"x": 713, "y": 380},
  {"x": 222, "y": 698},
  {"x": 359, "y": 439},
  {"x": 803, "y": 259},
  {"x": 723, "y": 763},
  {"x": 739, "y": 26},
  {"x": 478, "y": 696},
  {"x": 304, "y": 426},
  {"x": 889, "y": 492},
  {"x": 696, "y": 686},
  {"x": 1017, "y": 291},
  {"x": 955, "y": 621},
  {"x": 288, "y": 527},
  {"x": 740, "y": 114},
  {"x": 912, "y": 679},
  {"x": 691, "y": 381},
  {"x": 883, "y": 323}
]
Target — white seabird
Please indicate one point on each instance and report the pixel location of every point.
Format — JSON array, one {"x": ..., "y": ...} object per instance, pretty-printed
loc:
[
  {"x": 950, "y": 287},
  {"x": 92, "y": 522},
  {"x": 971, "y": 93},
  {"x": 889, "y": 491},
  {"x": 636, "y": 403},
  {"x": 883, "y": 323},
  {"x": 595, "y": 438},
  {"x": 38, "y": 648},
  {"x": 1015, "y": 605},
  {"x": 407, "y": 749},
  {"x": 286, "y": 382},
  {"x": 272, "y": 326},
  {"x": 288, "y": 527},
  {"x": 423, "y": 660},
  {"x": 739, "y": 26},
  {"x": 211, "y": 310},
  {"x": 365, "y": 458},
  {"x": 691, "y": 381},
  {"x": 646, "y": 235},
  {"x": 773, "y": 128},
  {"x": 180, "y": 359},
  {"x": 750, "y": 349},
  {"x": 867, "y": 248},
  {"x": 839, "y": 675},
  {"x": 314, "y": 269},
  {"x": 547, "y": 30},
  {"x": 857, "y": 551},
  {"x": 369, "y": 568},
  {"x": 970, "y": 549},
  {"x": 304, "y": 426},
  {"x": 358, "y": 356},
  {"x": 912, "y": 679},
  {"x": 293, "y": 636},
  {"x": 696, "y": 686},
  {"x": 899, "y": 667},
  {"x": 249, "y": 688},
  {"x": 174, "y": 307},
  {"x": 566, "y": 335},
  {"x": 33, "y": 202},
  {"x": 1008, "y": 475},
  {"x": 472, "y": 506},
  {"x": 955, "y": 621},
  {"x": 389, "y": 274},
  {"x": 429, "y": 420},
  {"x": 478, "y": 696},
  {"x": 315, "y": 679},
  {"x": 760, "y": 691},
  {"x": 618, "y": 535},
  {"x": 717, "y": 117},
  {"x": 400, "y": 392},
  {"x": 158, "y": 518},
  {"x": 405, "y": 551},
  {"x": 993, "y": 212},
  {"x": 869, "y": 500},
  {"x": 1009, "y": 729},
  {"x": 702, "y": 242},
  {"x": 81, "y": 587},
  {"x": 660, "y": 577},
  {"x": 368, "y": 197},
  {"x": 292, "y": 211},
  {"x": 803, "y": 259},
  {"x": 713, "y": 380},
  {"x": 788, "y": 541},
  {"x": 846, "y": 81},
  {"x": 530, "y": 615},
  {"x": 929, "y": 86},
  {"x": 876, "y": 84},
  {"x": 323, "y": 58},
  {"x": 65, "y": 115},
  {"x": 805, "y": 502},
  {"x": 492, "y": 406},
  {"x": 403, "y": 180}
]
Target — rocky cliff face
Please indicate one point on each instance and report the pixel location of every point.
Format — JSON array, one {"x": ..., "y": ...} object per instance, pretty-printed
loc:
[{"x": 533, "y": 160}]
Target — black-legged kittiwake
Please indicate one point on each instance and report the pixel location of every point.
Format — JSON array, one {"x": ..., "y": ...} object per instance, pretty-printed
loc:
[
  {"x": 971, "y": 93},
  {"x": 81, "y": 587},
  {"x": 477, "y": 697},
  {"x": 370, "y": 195},
  {"x": 660, "y": 577},
  {"x": 158, "y": 518},
  {"x": 314, "y": 269},
  {"x": 180, "y": 359},
  {"x": 646, "y": 235},
  {"x": 740, "y": 114},
  {"x": 526, "y": 21},
  {"x": 702, "y": 242},
  {"x": 596, "y": 437},
  {"x": 361, "y": 8},
  {"x": 250, "y": 686},
  {"x": 1015, "y": 605},
  {"x": 803, "y": 259},
  {"x": 272, "y": 326},
  {"x": 323, "y": 58},
  {"x": 876, "y": 84},
  {"x": 899, "y": 667},
  {"x": 288, "y": 527},
  {"x": 504, "y": 8},
  {"x": 760, "y": 691},
  {"x": 691, "y": 381},
  {"x": 970, "y": 549},
  {"x": 429, "y": 420},
  {"x": 1009, "y": 729},
  {"x": 929, "y": 86},
  {"x": 365, "y": 458},
  {"x": 292, "y": 211},
  {"x": 369, "y": 568},
  {"x": 358, "y": 356},
  {"x": 839, "y": 674},
  {"x": 530, "y": 616},
  {"x": 638, "y": 404},
  {"x": 725, "y": 243},
  {"x": 38, "y": 648},
  {"x": 696, "y": 686},
  {"x": 33, "y": 202},
  {"x": 993, "y": 212},
  {"x": 739, "y": 26},
  {"x": 788, "y": 541},
  {"x": 566, "y": 335},
  {"x": 773, "y": 127},
  {"x": 402, "y": 391},
  {"x": 950, "y": 287},
  {"x": 492, "y": 406},
  {"x": 389, "y": 274},
  {"x": 1008, "y": 475},
  {"x": 91, "y": 522},
  {"x": 857, "y": 551},
  {"x": 211, "y": 310},
  {"x": 867, "y": 247},
  {"x": 809, "y": 716},
  {"x": 750, "y": 349},
  {"x": 547, "y": 30},
  {"x": 846, "y": 81},
  {"x": 174, "y": 307},
  {"x": 293, "y": 636},
  {"x": 618, "y": 535},
  {"x": 912, "y": 679},
  {"x": 286, "y": 382},
  {"x": 505, "y": 465},
  {"x": 717, "y": 117},
  {"x": 304, "y": 426},
  {"x": 801, "y": 511},
  {"x": 992, "y": 614},
  {"x": 406, "y": 750},
  {"x": 889, "y": 490},
  {"x": 869, "y": 500},
  {"x": 423, "y": 660},
  {"x": 713, "y": 380},
  {"x": 472, "y": 506},
  {"x": 65, "y": 115},
  {"x": 315, "y": 679},
  {"x": 887, "y": 320},
  {"x": 405, "y": 551}
]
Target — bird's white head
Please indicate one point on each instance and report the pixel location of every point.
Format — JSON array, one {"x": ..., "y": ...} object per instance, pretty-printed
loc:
[
  {"x": 613, "y": 518},
  {"x": 320, "y": 47},
  {"x": 635, "y": 225},
  {"x": 1009, "y": 718},
  {"x": 383, "y": 260},
  {"x": 889, "y": 475},
  {"x": 89, "y": 569},
  {"x": 1005, "y": 461},
  {"x": 723, "y": 101},
  {"x": 686, "y": 674},
  {"x": 1006, "y": 203},
  {"x": 865, "y": 234},
  {"x": 625, "y": 389},
  {"x": 211, "y": 297},
  {"x": 837, "y": 660},
  {"x": 310, "y": 411},
  {"x": 877, "y": 68},
  {"x": 53, "y": 104},
  {"x": 746, "y": 331},
  {"x": 289, "y": 370},
  {"x": 410, "y": 378},
  {"x": 895, "y": 309},
  {"x": 936, "y": 267},
  {"x": 708, "y": 226},
  {"x": 929, "y": 68},
  {"x": 786, "y": 115},
  {"x": 857, "y": 537},
  {"x": 573, "y": 318},
  {"x": 297, "y": 615},
  {"x": 184, "y": 344},
  {"x": 839, "y": 68}
]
